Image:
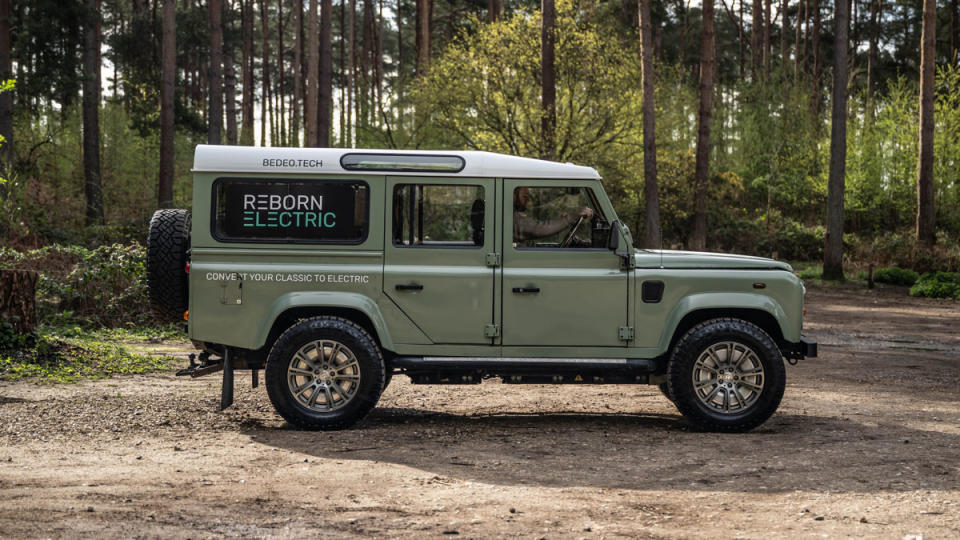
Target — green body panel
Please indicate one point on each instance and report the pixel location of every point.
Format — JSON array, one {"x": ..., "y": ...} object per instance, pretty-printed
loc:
[
  {"x": 582, "y": 298},
  {"x": 456, "y": 302},
  {"x": 588, "y": 303}
]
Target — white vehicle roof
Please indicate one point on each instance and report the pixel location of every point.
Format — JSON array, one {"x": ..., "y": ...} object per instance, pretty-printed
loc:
[{"x": 258, "y": 159}]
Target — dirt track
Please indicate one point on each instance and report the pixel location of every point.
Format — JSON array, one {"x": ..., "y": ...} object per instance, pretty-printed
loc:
[{"x": 866, "y": 443}]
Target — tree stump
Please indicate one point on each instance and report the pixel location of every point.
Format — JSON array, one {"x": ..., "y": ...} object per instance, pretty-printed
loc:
[{"x": 18, "y": 299}]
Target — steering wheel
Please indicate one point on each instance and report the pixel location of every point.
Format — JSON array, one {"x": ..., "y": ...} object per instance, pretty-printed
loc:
[{"x": 573, "y": 231}]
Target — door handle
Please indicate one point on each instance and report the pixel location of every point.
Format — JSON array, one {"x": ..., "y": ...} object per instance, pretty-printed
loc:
[
  {"x": 411, "y": 287},
  {"x": 523, "y": 290}
]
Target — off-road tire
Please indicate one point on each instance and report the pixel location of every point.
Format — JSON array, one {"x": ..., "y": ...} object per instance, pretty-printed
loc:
[
  {"x": 167, "y": 281},
  {"x": 665, "y": 390},
  {"x": 695, "y": 342},
  {"x": 360, "y": 343}
]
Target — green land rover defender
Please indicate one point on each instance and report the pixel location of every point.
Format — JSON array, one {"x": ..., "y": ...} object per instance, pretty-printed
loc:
[{"x": 335, "y": 269}]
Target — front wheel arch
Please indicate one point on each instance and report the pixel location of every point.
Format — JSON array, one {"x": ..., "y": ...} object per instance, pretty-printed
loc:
[{"x": 758, "y": 317}]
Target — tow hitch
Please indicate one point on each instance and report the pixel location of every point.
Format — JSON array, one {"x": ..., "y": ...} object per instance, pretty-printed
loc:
[{"x": 209, "y": 365}]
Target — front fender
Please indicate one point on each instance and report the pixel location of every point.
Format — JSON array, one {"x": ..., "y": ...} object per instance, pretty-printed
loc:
[
  {"x": 326, "y": 299},
  {"x": 724, "y": 301}
]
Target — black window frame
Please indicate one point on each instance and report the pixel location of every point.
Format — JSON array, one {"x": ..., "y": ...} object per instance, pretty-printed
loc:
[
  {"x": 214, "y": 198},
  {"x": 418, "y": 187},
  {"x": 597, "y": 209}
]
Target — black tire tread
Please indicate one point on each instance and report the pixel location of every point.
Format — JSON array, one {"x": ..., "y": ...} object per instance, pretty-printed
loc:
[
  {"x": 691, "y": 345},
  {"x": 167, "y": 245},
  {"x": 276, "y": 373}
]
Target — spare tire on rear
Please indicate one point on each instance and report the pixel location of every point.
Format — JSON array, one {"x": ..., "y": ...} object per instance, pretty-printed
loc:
[{"x": 167, "y": 246}]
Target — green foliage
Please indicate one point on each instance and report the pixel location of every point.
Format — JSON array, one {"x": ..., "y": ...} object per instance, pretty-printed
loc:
[
  {"x": 811, "y": 272},
  {"x": 483, "y": 92},
  {"x": 60, "y": 358},
  {"x": 105, "y": 286},
  {"x": 45, "y": 200},
  {"x": 937, "y": 285},
  {"x": 895, "y": 276}
]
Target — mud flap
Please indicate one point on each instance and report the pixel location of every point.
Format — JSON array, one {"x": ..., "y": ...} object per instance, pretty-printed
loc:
[{"x": 226, "y": 392}]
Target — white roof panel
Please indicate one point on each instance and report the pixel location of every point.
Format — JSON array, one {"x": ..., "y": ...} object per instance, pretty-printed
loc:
[{"x": 254, "y": 159}]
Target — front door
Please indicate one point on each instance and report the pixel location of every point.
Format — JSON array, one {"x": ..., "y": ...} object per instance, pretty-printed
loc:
[
  {"x": 438, "y": 235},
  {"x": 561, "y": 285}
]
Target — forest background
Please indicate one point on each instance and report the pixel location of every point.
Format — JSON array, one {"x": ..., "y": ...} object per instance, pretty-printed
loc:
[{"x": 111, "y": 96}]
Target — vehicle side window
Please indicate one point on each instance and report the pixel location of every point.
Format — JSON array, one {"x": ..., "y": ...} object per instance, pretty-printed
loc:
[
  {"x": 290, "y": 211},
  {"x": 438, "y": 215},
  {"x": 557, "y": 218}
]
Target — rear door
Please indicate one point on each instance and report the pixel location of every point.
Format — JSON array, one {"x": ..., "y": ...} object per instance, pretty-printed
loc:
[
  {"x": 561, "y": 285},
  {"x": 439, "y": 232}
]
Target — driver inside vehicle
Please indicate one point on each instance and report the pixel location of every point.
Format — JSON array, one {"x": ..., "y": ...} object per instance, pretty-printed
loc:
[{"x": 557, "y": 210}]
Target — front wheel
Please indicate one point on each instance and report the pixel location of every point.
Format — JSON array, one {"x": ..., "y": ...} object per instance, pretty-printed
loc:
[
  {"x": 324, "y": 373},
  {"x": 726, "y": 375}
]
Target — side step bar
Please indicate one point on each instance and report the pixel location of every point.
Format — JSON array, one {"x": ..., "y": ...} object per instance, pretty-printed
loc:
[{"x": 531, "y": 365}]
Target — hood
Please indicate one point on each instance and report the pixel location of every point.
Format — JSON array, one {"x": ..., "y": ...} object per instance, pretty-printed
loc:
[{"x": 655, "y": 258}]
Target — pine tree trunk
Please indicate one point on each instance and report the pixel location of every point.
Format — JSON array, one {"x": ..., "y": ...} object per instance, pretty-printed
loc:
[
  {"x": 246, "y": 104},
  {"x": 651, "y": 199},
  {"x": 875, "y": 7},
  {"x": 784, "y": 49},
  {"x": 91, "y": 113},
  {"x": 325, "y": 91},
  {"x": 297, "y": 78},
  {"x": 230, "y": 89},
  {"x": 313, "y": 64},
  {"x": 351, "y": 72},
  {"x": 6, "y": 98},
  {"x": 215, "y": 116},
  {"x": 817, "y": 63},
  {"x": 368, "y": 39},
  {"x": 281, "y": 110},
  {"x": 797, "y": 38},
  {"x": 756, "y": 39},
  {"x": 698, "y": 235},
  {"x": 18, "y": 299},
  {"x": 265, "y": 109},
  {"x": 423, "y": 37},
  {"x": 548, "y": 82},
  {"x": 342, "y": 64},
  {"x": 741, "y": 57},
  {"x": 767, "y": 50},
  {"x": 954, "y": 33},
  {"x": 833, "y": 248},
  {"x": 494, "y": 10},
  {"x": 168, "y": 79},
  {"x": 399, "y": 81},
  {"x": 926, "y": 232}
]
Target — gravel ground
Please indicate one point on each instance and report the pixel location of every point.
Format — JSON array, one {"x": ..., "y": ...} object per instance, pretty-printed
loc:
[{"x": 866, "y": 443}]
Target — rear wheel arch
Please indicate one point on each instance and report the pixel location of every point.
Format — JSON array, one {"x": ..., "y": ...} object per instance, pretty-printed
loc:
[{"x": 292, "y": 315}]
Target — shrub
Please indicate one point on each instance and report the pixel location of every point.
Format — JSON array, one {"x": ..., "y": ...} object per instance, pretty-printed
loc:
[
  {"x": 937, "y": 285},
  {"x": 895, "y": 276},
  {"x": 104, "y": 286}
]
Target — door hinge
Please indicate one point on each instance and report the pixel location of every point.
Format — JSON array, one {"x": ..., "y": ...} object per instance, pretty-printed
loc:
[
  {"x": 491, "y": 331},
  {"x": 626, "y": 333},
  {"x": 493, "y": 259}
]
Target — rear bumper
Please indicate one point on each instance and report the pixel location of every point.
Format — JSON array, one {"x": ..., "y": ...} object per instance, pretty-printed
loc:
[{"x": 805, "y": 348}]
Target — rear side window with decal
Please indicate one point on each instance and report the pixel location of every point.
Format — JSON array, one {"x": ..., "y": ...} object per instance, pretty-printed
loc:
[{"x": 290, "y": 211}]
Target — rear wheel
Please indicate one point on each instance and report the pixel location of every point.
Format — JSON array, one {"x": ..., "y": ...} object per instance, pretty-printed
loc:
[
  {"x": 726, "y": 375},
  {"x": 324, "y": 373},
  {"x": 665, "y": 390}
]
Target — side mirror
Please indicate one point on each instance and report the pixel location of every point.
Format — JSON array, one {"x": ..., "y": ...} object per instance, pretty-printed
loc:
[{"x": 613, "y": 240}]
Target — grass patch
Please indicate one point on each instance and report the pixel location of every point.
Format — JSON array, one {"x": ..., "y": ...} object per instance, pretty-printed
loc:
[{"x": 71, "y": 354}]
